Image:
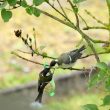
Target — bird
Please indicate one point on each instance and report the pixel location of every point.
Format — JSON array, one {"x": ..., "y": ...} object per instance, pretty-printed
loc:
[
  {"x": 45, "y": 76},
  {"x": 68, "y": 59}
]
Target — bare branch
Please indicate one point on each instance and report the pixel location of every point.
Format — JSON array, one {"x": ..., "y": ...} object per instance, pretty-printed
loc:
[
  {"x": 100, "y": 53},
  {"x": 34, "y": 34},
  {"x": 62, "y": 8},
  {"x": 96, "y": 27},
  {"x": 104, "y": 24},
  {"x": 14, "y": 53},
  {"x": 76, "y": 15},
  {"x": 66, "y": 17},
  {"x": 35, "y": 62},
  {"x": 108, "y": 4}
]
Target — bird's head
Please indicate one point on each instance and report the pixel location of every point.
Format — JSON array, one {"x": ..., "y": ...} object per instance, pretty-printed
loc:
[{"x": 53, "y": 63}]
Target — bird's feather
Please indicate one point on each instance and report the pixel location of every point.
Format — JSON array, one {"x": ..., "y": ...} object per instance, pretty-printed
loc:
[{"x": 69, "y": 58}]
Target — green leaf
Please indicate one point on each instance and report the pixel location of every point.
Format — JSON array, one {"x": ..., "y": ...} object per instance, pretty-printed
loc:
[
  {"x": 106, "y": 100},
  {"x": 93, "y": 81},
  {"x": 6, "y": 15},
  {"x": 12, "y": 2},
  {"x": 108, "y": 2},
  {"x": 52, "y": 91},
  {"x": 32, "y": 10},
  {"x": 96, "y": 78},
  {"x": 103, "y": 66},
  {"x": 37, "y": 51},
  {"x": 36, "y": 12},
  {"x": 107, "y": 84},
  {"x": 75, "y": 9},
  {"x": 44, "y": 54},
  {"x": 29, "y": 10},
  {"x": 24, "y": 3},
  {"x": 38, "y": 2},
  {"x": 90, "y": 107},
  {"x": 100, "y": 75},
  {"x": 78, "y": 1}
]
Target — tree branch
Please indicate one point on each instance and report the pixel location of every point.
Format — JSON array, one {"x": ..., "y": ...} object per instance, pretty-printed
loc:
[
  {"x": 66, "y": 17},
  {"x": 16, "y": 54},
  {"x": 104, "y": 24},
  {"x": 88, "y": 40},
  {"x": 76, "y": 15},
  {"x": 108, "y": 4},
  {"x": 96, "y": 27},
  {"x": 70, "y": 24},
  {"x": 100, "y": 53},
  {"x": 62, "y": 8}
]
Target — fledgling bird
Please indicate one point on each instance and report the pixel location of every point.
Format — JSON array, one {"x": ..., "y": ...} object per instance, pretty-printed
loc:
[
  {"x": 45, "y": 76},
  {"x": 67, "y": 60}
]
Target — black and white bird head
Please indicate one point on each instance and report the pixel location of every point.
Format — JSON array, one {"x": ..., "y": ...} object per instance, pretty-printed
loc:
[
  {"x": 68, "y": 59},
  {"x": 53, "y": 63}
]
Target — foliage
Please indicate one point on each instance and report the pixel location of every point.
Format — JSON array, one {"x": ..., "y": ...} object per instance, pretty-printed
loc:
[
  {"x": 6, "y": 15},
  {"x": 12, "y": 79},
  {"x": 102, "y": 74},
  {"x": 90, "y": 107},
  {"x": 106, "y": 100},
  {"x": 75, "y": 102}
]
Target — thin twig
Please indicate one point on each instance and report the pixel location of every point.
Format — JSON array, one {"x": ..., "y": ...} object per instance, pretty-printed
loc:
[
  {"x": 24, "y": 51},
  {"x": 60, "y": 13},
  {"x": 100, "y": 53},
  {"x": 99, "y": 41},
  {"x": 14, "y": 53},
  {"x": 73, "y": 7},
  {"x": 83, "y": 20},
  {"x": 34, "y": 34},
  {"x": 70, "y": 24},
  {"x": 57, "y": 19},
  {"x": 14, "y": 7},
  {"x": 86, "y": 37},
  {"x": 77, "y": 69},
  {"x": 104, "y": 24},
  {"x": 62, "y": 8},
  {"x": 36, "y": 53},
  {"x": 96, "y": 27},
  {"x": 108, "y": 5},
  {"x": 88, "y": 40},
  {"x": 80, "y": 17}
]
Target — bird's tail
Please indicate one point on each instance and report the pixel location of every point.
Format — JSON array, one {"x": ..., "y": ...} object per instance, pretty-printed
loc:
[
  {"x": 81, "y": 48},
  {"x": 41, "y": 90},
  {"x": 39, "y": 97}
]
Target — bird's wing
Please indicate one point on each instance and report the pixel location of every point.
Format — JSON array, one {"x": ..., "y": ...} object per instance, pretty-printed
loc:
[
  {"x": 75, "y": 55},
  {"x": 73, "y": 51},
  {"x": 64, "y": 58},
  {"x": 78, "y": 50}
]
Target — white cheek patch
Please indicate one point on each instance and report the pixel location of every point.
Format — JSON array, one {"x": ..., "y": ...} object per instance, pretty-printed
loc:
[
  {"x": 70, "y": 58},
  {"x": 48, "y": 74}
]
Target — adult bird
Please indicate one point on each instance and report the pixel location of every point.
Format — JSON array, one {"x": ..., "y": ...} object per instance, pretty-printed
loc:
[
  {"x": 45, "y": 76},
  {"x": 68, "y": 59}
]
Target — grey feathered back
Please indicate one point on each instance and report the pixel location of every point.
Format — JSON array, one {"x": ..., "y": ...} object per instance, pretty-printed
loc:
[{"x": 75, "y": 54}]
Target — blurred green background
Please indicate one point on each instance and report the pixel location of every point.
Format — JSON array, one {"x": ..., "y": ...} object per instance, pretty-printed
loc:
[{"x": 57, "y": 38}]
